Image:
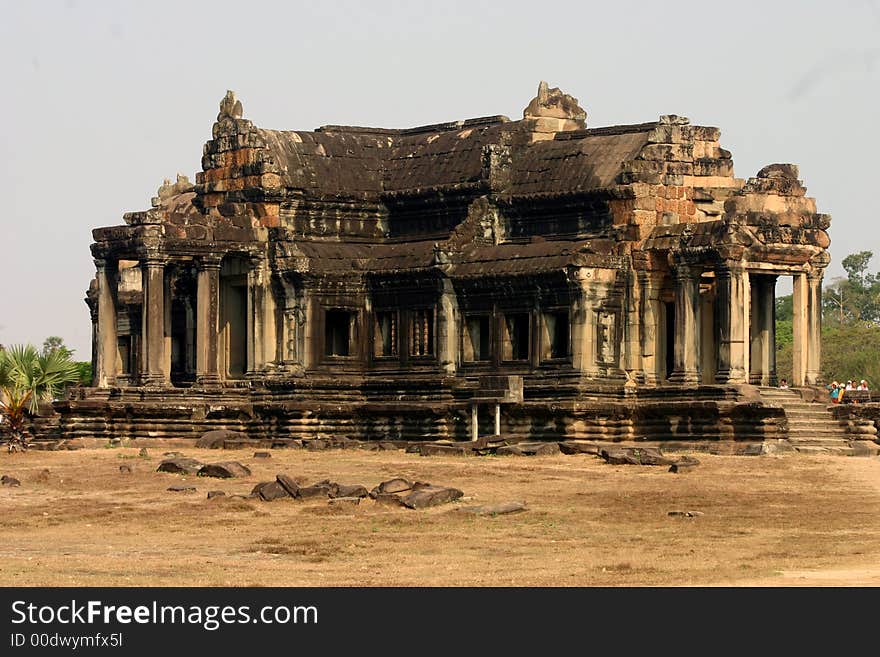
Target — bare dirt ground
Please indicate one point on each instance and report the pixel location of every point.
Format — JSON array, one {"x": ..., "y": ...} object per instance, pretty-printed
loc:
[{"x": 790, "y": 520}]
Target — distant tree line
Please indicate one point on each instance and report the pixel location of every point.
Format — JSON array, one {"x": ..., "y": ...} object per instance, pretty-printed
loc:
[{"x": 850, "y": 325}]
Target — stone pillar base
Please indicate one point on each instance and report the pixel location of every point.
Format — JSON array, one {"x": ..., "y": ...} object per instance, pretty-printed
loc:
[
  {"x": 764, "y": 379},
  {"x": 208, "y": 380},
  {"x": 154, "y": 381},
  {"x": 731, "y": 376},
  {"x": 688, "y": 377}
]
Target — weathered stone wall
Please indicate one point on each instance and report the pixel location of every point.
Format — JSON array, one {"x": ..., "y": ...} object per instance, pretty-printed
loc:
[
  {"x": 861, "y": 421},
  {"x": 349, "y": 410}
]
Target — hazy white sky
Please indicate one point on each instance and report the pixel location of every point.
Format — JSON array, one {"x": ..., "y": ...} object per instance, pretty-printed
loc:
[{"x": 102, "y": 100}]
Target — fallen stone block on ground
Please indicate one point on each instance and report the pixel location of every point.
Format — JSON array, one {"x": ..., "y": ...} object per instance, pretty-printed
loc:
[
  {"x": 224, "y": 470},
  {"x": 502, "y": 508},
  {"x": 180, "y": 465}
]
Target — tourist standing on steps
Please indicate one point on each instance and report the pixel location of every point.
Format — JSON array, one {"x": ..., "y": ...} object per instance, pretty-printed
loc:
[
  {"x": 783, "y": 383},
  {"x": 834, "y": 392}
]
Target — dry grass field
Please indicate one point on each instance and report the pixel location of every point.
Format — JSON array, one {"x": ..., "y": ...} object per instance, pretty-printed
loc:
[{"x": 783, "y": 520}]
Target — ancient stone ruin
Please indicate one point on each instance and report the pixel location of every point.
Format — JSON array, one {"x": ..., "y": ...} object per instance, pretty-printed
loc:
[{"x": 533, "y": 278}]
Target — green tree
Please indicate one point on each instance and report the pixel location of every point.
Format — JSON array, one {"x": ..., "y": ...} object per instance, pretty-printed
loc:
[
  {"x": 784, "y": 308},
  {"x": 851, "y": 352},
  {"x": 54, "y": 343},
  {"x": 855, "y": 298},
  {"x": 28, "y": 377}
]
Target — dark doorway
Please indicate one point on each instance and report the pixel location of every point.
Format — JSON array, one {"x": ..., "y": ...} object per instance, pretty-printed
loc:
[
  {"x": 236, "y": 319},
  {"x": 669, "y": 342}
]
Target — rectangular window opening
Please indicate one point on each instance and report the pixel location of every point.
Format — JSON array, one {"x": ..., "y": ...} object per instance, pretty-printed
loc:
[
  {"x": 124, "y": 345},
  {"x": 556, "y": 335},
  {"x": 515, "y": 344},
  {"x": 385, "y": 338},
  {"x": 337, "y": 332},
  {"x": 421, "y": 333},
  {"x": 476, "y": 339}
]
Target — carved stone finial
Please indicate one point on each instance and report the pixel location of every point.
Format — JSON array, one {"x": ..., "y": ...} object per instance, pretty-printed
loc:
[
  {"x": 789, "y": 171},
  {"x": 230, "y": 107},
  {"x": 553, "y": 103},
  {"x": 168, "y": 189}
]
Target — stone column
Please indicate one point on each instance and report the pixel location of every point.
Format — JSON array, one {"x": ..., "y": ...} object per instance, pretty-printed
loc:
[
  {"x": 800, "y": 292},
  {"x": 153, "y": 322},
  {"x": 651, "y": 283},
  {"x": 770, "y": 328},
  {"x": 93, "y": 315},
  {"x": 475, "y": 421},
  {"x": 589, "y": 293},
  {"x": 447, "y": 328},
  {"x": 254, "y": 317},
  {"x": 207, "y": 320},
  {"x": 292, "y": 327},
  {"x": 814, "y": 328},
  {"x": 763, "y": 335},
  {"x": 632, "y": 327},
  {"x": 269, "y": 321},
  {"x": 746, "y": 316},
  {"x": 731, "y": 324},
  {"x": 167, "y": 295},
  {"x": 686, "y": 361},
  {"x": 106, "y": 341}
]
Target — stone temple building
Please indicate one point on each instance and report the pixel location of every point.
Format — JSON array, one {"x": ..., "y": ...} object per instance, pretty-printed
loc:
[{"x": 534, "y": 278}]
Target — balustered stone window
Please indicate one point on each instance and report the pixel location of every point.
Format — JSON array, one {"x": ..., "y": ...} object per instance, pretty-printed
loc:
[
  {"x": 385, "y": 337},
  {"x": 421, "y": 332}
]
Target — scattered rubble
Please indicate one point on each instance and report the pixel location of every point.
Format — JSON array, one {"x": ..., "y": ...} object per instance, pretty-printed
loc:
[
  {"x": 269, "y": 491},
  {"x": 635, "y": 456},
  {"x": 289, "y": 484},
  {"x": 180, "y": 465},
  {"x": 343, "y": 490},
  {"x": 217, "y": 438},
  {"x": 430, "y": 496},
  {"x": 396, "y": 485},
  {"x": 224, "y": 470}
]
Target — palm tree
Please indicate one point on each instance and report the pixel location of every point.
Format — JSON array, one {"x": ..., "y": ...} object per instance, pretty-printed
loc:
[{"x": 27, "y": 378}]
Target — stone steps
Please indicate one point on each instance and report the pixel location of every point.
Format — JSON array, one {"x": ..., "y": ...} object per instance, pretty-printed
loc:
[{"x": 811, "y": 428}]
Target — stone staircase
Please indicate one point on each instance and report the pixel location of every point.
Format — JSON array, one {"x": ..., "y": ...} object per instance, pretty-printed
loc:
[{"x": 811, "y": 428}]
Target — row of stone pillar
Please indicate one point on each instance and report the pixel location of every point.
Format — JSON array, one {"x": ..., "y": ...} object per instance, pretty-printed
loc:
[
  {"x": 746, "y": 326},
  {"x": 154, "y": 366}
]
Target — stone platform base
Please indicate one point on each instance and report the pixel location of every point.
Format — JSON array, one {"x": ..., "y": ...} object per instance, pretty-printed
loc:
[{"x": 569, "y": 410}]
